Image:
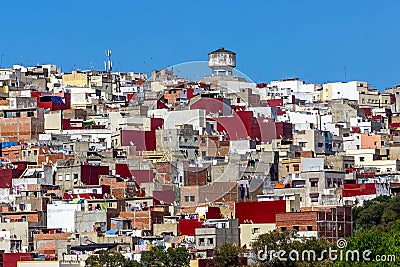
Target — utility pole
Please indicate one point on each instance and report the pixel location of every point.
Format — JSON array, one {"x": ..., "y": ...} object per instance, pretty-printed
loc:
[
  {"x": 1, "y": 60},
  {"x": 345, "y": 73}
]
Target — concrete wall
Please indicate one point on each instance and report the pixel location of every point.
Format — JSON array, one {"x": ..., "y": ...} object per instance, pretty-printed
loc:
[
  {"x": 250, "y": 232},
  {"x": 194, "y": 117},
  {"x": 52, "y": 122},
  {"x": 62, "y": 215},
  {"x": 85, "y": 220},
  {"x": 165, "y": 227},
  {"x": 20, "y": 229}
]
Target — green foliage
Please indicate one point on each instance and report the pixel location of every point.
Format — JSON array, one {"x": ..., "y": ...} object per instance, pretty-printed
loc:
[
  {"x": 158, "y": 257},
  {"x": 380, "y": 241},
  {"x": 288, "y": 241},
  {"x": 107, "y": 259},
  {"x": 228, "y": 255},
  {"x": 376, "y": 213}
]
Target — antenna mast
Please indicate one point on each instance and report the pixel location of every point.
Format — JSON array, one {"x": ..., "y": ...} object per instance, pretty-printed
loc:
[{"x": 108, "y": 63}]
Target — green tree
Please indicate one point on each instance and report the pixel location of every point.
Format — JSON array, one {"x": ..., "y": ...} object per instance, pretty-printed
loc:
[
  {"x": 228, "y": 255},
  {"x": 178, "y": 257},
  {"x": 376, "y": 213},
  {"x": 286, "y": 244},
  {"x": 107, "y": 259},
  {"x": 158, "y": 257},
  {"x": 380, "y": 241}
]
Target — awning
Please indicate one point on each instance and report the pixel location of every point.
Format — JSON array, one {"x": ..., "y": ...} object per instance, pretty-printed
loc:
[
  {"x": 92, "y": 247},
  {"x": 111, "y": 232}
]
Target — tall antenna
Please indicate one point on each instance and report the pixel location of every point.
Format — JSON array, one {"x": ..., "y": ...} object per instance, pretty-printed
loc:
[
  {"x": 108, "y": 63},
  {"x": 345, "y": 73}
]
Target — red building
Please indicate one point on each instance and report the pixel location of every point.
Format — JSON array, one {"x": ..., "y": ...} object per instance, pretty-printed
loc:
[
  {"x": 188, "y": 227},
  {"x": 11, "y": 259},
  {"x": 59, "y": 101},
  {"x": 259, "y": 212},
  {"x": 143, "y": 140},
  {"x": 90, "y": 173},
  {"x": 352, "y": 190},
  {"x": 6, "y": 178}
]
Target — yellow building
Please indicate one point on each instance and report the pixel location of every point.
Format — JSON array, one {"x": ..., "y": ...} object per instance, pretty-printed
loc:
[{"x": 76, "y": 79}]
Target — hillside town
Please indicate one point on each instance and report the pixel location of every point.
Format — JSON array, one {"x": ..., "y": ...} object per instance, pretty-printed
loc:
[{"x": 124, "y": 162}]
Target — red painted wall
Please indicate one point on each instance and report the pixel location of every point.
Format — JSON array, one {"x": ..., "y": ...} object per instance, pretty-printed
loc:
[
  {"x": 164, "y": 197},
  {"x": 90, "y": 173},
  {"x": 6, "y": 178},
  {"x": 188, "y": 227},
  {"x": 259, "y": 212},
  {"x": 213, "y": 213},
  {"x": 210, "y": 105},
  {"x": 10, "y": 259},
  {"x": 123, "y": 170},
  {"x": 275, "y": 102},
  {"x": 351, "y": 190},
  {"x": 143, "y": 176}
]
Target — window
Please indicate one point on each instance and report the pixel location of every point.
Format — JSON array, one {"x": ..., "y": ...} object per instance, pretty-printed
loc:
[
  {"x": 283, "y": 228},
  {"x": 296, "y": 167},
  {"x": 186, "y": 198},
  {"x": 255, "y": 230},
  {"x": 67, "y": 177},
  {"x": 191, "y": 198},
  {"x": 60, "y": 177},
  {"x": 314, "y": 199},
  {"x": 165, "y": 139},
  {"x": 362, "y": 159},
  {"x": 296, "y": 228},
  {"x": 314, "y": 183},
  {"x": 320, "y": 144},
  {"x": 201, "y": 241},
  {"x": 210, "y": 241},
  {"x": 309, "y": 228}
]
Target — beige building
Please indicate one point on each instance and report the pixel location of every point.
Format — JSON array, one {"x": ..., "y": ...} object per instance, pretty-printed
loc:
[
  {"x": 52, "y": 122},
  {"x": 250, "y": 232},
  {"x": 75, "y": 79},
  {"x": 371, "y": 159},
  {"x": 289, "y": 166},
  {"x": 373, "y": 98}
]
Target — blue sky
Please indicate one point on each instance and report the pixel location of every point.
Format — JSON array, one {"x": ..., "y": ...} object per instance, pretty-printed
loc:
[{"x": 312, "y": 40}]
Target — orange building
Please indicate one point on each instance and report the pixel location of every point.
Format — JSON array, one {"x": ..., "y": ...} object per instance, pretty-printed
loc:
[{"x": 370, "y": 141}]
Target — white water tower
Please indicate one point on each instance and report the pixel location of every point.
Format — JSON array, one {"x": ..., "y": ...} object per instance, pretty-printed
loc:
[{"x": 222, "y": 62}]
